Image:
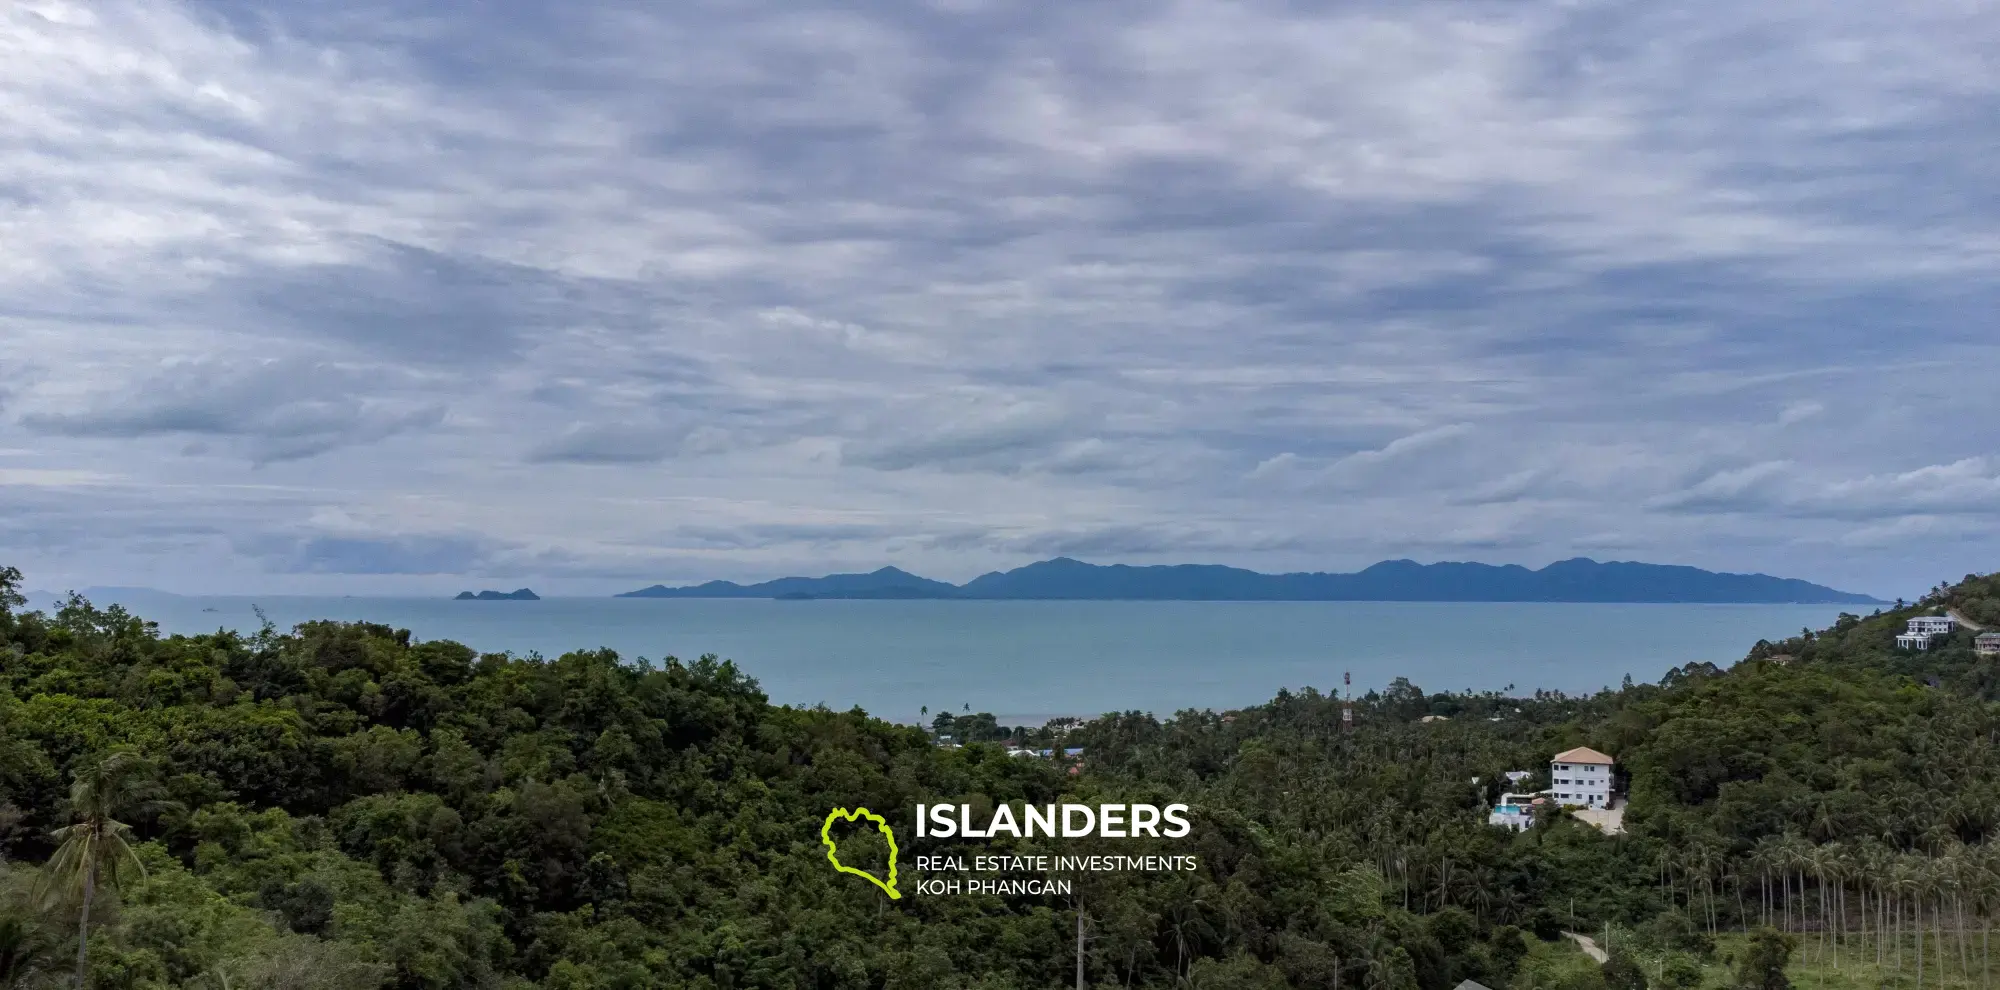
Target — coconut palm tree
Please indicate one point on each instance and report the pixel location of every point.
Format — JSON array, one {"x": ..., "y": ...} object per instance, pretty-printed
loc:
[
  {"x": 95, "y": 851},
  {"x": 1761, "y": 858},
  {"x": 1953, "y": 877},
  {"x": 1793, "y": 853},
  {"x": 1986, "y": 894},
  {"x": 1817, "y": 860},
  {"x": 1903, "y": 881}
]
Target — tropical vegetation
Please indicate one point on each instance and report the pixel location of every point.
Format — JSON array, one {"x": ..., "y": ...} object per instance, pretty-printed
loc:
[{"x": 341, "y": 805}]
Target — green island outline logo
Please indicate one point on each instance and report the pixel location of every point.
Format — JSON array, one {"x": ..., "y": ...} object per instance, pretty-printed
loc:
[{"x": 882, "y": 825}]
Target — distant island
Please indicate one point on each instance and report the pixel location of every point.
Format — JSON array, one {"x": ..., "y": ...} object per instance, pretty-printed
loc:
[
  {"x": 1577, "y": 580},
  {"x": 517, "y": 595}
]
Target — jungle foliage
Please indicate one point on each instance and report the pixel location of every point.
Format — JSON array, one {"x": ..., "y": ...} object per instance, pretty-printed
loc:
[{"x": 342, "y": 806}]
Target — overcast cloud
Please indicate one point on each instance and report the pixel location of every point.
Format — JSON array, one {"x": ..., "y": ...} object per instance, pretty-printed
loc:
[{"x": 403, "y": 297}]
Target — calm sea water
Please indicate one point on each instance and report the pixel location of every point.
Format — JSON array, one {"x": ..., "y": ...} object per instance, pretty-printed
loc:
[{"x": 1026, "y": 661}]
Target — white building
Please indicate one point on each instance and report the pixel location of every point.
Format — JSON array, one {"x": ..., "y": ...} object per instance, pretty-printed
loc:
[
  {"x": 1581, "y": 776},
  {"x": 1986, "y": 644},
  {"x": 1516, "y": 811},
  {"x": 1923, "y": 629}
]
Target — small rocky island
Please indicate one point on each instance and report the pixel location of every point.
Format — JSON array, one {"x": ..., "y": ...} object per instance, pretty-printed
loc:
[{"x": 517, "y": 595}]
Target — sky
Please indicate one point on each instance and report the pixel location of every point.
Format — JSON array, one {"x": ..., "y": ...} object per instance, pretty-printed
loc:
[{"x": 402, "y": 298}]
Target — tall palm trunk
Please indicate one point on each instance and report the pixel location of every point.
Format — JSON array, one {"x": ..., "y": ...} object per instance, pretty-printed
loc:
[
  {"x": 1867, "y": 917},
  {"x": 1861, "y": 908},
  {"x": 83, "y": 926},
  {"x": 1964, "y": 950},
  {"x": 1819, "y": 891},
  {"x": 1919, "y": 919},
  {"x": 1840, "y": 918},
  {"x": 1896, "y": 933}
]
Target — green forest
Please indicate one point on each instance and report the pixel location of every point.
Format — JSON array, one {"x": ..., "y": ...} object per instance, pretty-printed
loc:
[{"x": 342, "y": 806}]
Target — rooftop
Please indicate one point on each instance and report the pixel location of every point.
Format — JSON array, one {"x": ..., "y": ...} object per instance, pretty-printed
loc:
[{"x": 1581, "y": 754}]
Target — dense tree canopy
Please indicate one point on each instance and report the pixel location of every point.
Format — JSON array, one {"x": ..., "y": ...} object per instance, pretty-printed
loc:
[{"x": 346, "y": 807}]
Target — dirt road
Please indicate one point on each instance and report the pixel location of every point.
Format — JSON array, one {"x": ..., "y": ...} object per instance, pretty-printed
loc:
[{"x": 1589, "y": 946}]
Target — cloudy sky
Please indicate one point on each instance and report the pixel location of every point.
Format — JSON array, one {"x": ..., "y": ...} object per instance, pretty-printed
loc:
[{"x": 403, "y": 297}]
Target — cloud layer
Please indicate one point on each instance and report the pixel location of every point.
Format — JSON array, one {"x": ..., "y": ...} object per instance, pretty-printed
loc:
[{"x": 390, "y": 297}]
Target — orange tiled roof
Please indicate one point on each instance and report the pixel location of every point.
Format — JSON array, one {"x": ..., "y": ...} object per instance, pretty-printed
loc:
[{"x": 1582, "y": 754}]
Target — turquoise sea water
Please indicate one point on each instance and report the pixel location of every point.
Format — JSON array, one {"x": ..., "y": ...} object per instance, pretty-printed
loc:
[{"x": 1026, "y": 661}]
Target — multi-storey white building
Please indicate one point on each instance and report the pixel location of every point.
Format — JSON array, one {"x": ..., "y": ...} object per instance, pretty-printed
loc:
[
  {"x": 1923, "y": 629},
  {"x": 1581, "y": 776}
]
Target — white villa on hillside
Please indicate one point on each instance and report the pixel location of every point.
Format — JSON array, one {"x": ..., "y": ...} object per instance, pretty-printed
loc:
[
  {"x": 1986, "y": 644},
  {"x": 1581, "y": 776},
  {"x": 1923, "y": 629}
]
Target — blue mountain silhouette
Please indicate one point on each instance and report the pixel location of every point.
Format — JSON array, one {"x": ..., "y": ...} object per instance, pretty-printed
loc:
[{"x": 1576, "y": 580}]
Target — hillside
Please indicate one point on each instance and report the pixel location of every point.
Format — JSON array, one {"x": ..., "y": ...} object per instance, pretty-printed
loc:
[
  {"x": 888, "y": 582},
  {"x": 1578, "y": 580},
  {"x": 352, "y": 809}
]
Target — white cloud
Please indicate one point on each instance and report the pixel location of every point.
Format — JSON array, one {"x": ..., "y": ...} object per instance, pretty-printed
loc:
[
  {"x": 50, "y": 477},
  {"x": 1967, "y": 487},
  {"x": 1799, "y": 412}
]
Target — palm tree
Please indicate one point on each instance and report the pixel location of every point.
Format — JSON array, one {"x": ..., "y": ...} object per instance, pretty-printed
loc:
[
  {"x": 1902, "y": 881},
  {"x": 1987, "y": 881},
  {"x": 95, "y": 851}
]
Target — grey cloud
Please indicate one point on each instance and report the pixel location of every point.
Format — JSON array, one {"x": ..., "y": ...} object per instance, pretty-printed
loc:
[
  {"x": 791, "y": 535},
  {"x": 1264, "y": 283},
  {"x": 1508, "y": 488},
  {"x": 1728, "y": 490},
  {"x": 1151, "y": 540},
  {"x": 275, "y": 410},
  {"x": 1002, "y": 439},
  {"x": 410, "y": 303},
  {"x": 361, "y": 555},
  {"x": 1364, "y": 465},
  {"x": 1966, "y": 487},
  {"x": 610, "y": 444}
]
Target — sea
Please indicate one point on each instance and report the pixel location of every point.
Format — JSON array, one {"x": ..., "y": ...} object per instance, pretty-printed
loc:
[{"x": 1028, "y": 661}]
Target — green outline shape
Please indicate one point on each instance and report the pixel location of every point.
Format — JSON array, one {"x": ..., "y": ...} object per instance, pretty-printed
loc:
[{"x": 882, "y": 825}]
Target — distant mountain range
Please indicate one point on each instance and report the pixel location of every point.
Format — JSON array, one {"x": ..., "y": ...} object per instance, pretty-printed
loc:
[
  {"x": 517, "y": 595},
  {"x": 1578, "y": 580}
]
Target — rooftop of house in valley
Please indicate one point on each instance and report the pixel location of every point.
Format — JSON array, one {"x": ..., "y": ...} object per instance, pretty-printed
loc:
[{"x": 1582, "y": 754}]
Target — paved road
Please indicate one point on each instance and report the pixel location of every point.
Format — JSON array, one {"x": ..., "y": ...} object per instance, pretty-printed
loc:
[
  {"x": 1963, "y": 621},
  {"x": 1589, "y": 946}
]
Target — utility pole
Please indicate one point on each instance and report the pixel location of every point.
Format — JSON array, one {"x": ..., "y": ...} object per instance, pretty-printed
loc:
[{"x": 1079, "y": 943}]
